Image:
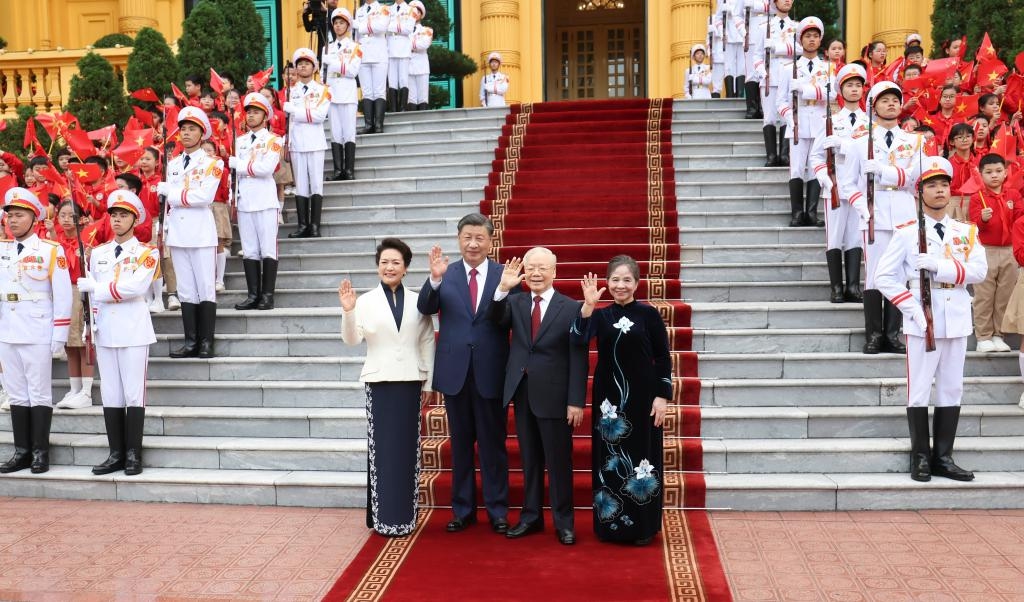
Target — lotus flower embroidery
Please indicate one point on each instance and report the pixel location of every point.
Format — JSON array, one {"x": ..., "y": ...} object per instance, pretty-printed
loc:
[{"x": 624, "y": 324}]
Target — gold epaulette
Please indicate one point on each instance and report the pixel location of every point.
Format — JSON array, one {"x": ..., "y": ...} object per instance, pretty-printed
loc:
[
  {"x": 50, "y": 242},
  {"x": 904, "y": 225}
]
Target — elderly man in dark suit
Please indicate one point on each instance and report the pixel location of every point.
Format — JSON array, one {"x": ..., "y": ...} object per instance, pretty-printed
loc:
[
  {"x": 469, "y": 370},
  {"x": 546, "y": 376}
]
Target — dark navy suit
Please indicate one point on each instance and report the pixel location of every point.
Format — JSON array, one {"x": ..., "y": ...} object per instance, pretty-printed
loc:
[{"x": 469, "y": 369}]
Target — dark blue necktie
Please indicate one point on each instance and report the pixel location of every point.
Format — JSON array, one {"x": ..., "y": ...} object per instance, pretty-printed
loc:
[
  {"x": 117, "y": 251},
  {"x": 888, "y": 139},
  {"x": 21, "y": 248},
  {"x": 939, "y": 229},
  {"x": 187, "y": 159}
]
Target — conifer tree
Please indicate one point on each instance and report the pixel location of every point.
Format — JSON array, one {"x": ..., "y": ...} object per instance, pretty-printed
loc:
[
  {"x": 949, "y": 21},
  {"x": 13, "y": 136},
  {"x": 994, "y": 17},
  {"x": 247, "y": 50},
  {"x": 151, "y": 63},
  {"x": 205, "y": 41},
  {"x": 96, "y": 96},
  {"x": 112, "y": 40},
  {"x": 827, "y": 11}
]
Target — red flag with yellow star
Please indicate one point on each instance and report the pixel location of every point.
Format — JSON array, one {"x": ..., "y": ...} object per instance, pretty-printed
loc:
[
  {"x": 1004, "y": 143},
  {"x": 990, "y": 74},
  {"x": 79, "y": 143},
  {"x": 966, "y": 106},
  {"x": 986, "y": 52}
]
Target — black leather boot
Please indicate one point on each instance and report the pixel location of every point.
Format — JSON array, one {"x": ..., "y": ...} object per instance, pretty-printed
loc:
[
  {"x": 378, "y": 115},
  {"x": 811, "y": 201},
  {"x": 392, "y": 100},
  {"x": 113, "y": 418},
  {"x": 350, "y": 160},
  {"x": 851, "y": 262},
  {"x": 21, "y": 429},
  {"x": 189, "y": 317},
  {"x": 796, "y": 202},
  {"x": 135, "y": 419},
  {"x": 752, "y": 92},
  {"x": 316, "y": 207},
  {"x": 423, "y": 106},
  {"x": 873, "y": 338},
  {"x": 41, "y": 416},
  {"x": 403, "y": 98},
  {"x": 783, "y": 148},
  {"x": 771, "y": 145},
  {"x": 920, "y": 451},
  {"x": 944, "y": 426},
  {"x": 252, "y": 283},
  {"x": 366, "y": 106},
  {"x": 730, "y": 91},
  {"x": 339, "y": 162},
  {"x": 892, "y": 318},
  {"x": 302, "y": 216},
  {"x": 834, "y": 259},
  {"x": 741, "y": 87},
  {"x": 207, "y": 328},
  {"x": 269, "y": 283}
]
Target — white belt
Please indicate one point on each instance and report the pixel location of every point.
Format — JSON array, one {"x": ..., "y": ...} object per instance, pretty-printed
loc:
[
  {"x": 916, "y": 285},
  {"x": 13, "y": 297}
]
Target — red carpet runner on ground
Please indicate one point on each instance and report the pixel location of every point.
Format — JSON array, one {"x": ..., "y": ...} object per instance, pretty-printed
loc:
[{"x": 589, "y": 180}]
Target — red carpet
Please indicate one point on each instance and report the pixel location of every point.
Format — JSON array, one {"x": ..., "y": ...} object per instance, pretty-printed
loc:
[{"x": 589, "y": 180}]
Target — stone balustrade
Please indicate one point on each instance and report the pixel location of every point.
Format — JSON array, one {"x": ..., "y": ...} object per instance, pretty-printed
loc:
[{"x": 43, "y": 78}]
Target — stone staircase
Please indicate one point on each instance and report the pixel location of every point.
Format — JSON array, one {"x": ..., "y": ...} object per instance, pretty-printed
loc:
[
  {"x": 794, "y": 416},
  {"x": 278, "y": 417}
]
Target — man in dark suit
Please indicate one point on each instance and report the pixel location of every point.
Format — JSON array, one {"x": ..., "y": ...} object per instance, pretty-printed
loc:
[
  {"x": 546, "y": 376},
  {"x": 469, "y": 366}
]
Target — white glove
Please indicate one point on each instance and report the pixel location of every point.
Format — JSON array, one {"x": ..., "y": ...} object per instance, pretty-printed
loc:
[
  {"x": 288, "y": 107},
  {"x": 917, "y": 317},
  {"x": 86, "y": 285},
  {"x": 825, "y": 182},
  {"x": 832, "y": 142},
  {"x": 861, "y": 207},
  {"x": 874, "y": 166},
  {"x": 232, "y": 162},
  {"x": 162, "y": 188},
  {"x": 55, "y": 347},
  {"x": 925, "y": 261},
  {"x": 796, "y": 85},
  {"x": 760, "y": 72}
]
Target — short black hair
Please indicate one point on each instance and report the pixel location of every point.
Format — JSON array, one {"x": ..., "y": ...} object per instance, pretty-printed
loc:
[
  {"x": 984, "y": 99},
  {"x": 397, "y": 245},
  {"x": 924, "y": 129},
  {"x": 915, "y": 49},
  {"x": 195, "y": 79},
  {"x": 476, "y": 219},
  {"x": 913, "y": 66},
  {"x": 132, "y": 180},
  {"x": 208, "y": 93},
  {"x": 991, "y": 159},
  {"x": 62, "y": 152},
  {"x": 97, "y": 161},
  {"x": 218, "y": 115},
  {"x": 38, "y": 161},
  {"x": 959, "y": 130},
  {"x": 624, "y": 260}
]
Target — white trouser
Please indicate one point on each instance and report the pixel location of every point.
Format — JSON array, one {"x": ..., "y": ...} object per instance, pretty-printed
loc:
[
  {"x": 700, "y": 93},
  {"x": 923, "y": 366},
  {"x": 123, "y": 375},
  {"x": 735, "y": 65},
  {"x": 419, "y": 88},
  {"x": 373, "y": 79},
  {"x": 258, "y": 231},
  {"x": 342, "y": 117},
  {"x": 842, "y": 226},
  {"x": 398, "y": 72},
  {"x": 717, "y": 76},
  {"x": 28, "y": 373},
  {"x": 196, "y": 271},
  {"x": 771, "y": 109},
  {"x": 872, "y": 254},
  {"x": 799, "y": 159},
  {"x": 308, "y": 172}
]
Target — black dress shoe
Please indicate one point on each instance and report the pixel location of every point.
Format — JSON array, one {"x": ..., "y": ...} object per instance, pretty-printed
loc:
[
  {"x": 499, "y": 526},
  {"x": 522, "y": 529},
  {"x": 460, "y": 524},
  {"x": 566, "y": 537}
]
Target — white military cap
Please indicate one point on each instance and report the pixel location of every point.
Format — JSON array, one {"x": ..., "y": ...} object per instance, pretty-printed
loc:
[
  {"x": 24, "y": 199},
  {"x": 197, "y": 116},
  {"x": 127, "y": 200}
]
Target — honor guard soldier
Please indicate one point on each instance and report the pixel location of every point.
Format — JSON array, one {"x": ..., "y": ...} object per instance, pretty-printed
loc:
[
  {"x": 955, "y": 259},
  {"x": 372, "y": 20},
  {"x": 308, "y": 104},
  {"x": 339, "y": 68},
  {"x": 400, "y": 28},
  {"x": 730, "y": 30},
  {"x": 759, "y": 11},
  {"x": 257, "y": 155},
  {"x": 897, "y": 153},
  {"x": 121, "y": 272},
  {"x": 493, "y": 85},
  {"x": 192, "y": 181},
  {"x": 813, "y": 88},
  {"x": 35, "y": 315},
  {"x": 698, "y": 75},
  {"x": 419, "y": 64},
  {"x": 843, "y": 239},
  {"x": 774, "y": 62}
]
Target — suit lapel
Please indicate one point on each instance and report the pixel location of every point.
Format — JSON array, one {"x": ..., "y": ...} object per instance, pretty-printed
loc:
[
  {"x": 494, "y": 271},
  {"x": 554, "y": 307},
  {"x": 461, "y": 283}
]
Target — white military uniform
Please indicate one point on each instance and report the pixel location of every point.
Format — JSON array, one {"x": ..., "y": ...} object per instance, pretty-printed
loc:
[
  {"x": 961, "y": 261},
  {"x": 697, "y": 81},
  {"x": 259, "y": 154},
  {"x": 895, "y": 193},
  {"x": 419, "y": 65},
  {"x": 371, "y": 21},
  {"x": 342, "y": 59},
  {"x": 842, "y": 226},
  {"x": 728, "y": 22},
  {"x": 716, "y": 56},
  {"x": 400, "y": 29},
  {"x": 192, "y": 182},
  {"x": 493, "y": 88},
  {"x": 35, "y": 315},
  {"x": 124, "y": 274},
  {"x": 780, "y": 47},
  {"x": 759, "y": 13},
  {"x": 817, "y": 86},
  {"x": 306, "y": 141}
]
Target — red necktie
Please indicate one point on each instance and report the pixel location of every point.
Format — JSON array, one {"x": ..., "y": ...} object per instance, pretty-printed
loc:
[
  {"x": 535, "y": 317},
  {"x": 472, "y": 288}
]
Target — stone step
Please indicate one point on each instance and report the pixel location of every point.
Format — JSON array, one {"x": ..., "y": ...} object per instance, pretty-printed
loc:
[
  {"x": 710, "y": 104},
  {"x": 724, "y": 150},
  {"x": 779, "y": 340},
  {"x": 819, "y": 365},
  {"x": 762, "y": 315},
  {"x": 793, "y": 290},
  {"x": 852, "y": 455},
  {"x": 393, "y": 125},
  {"x": 734, "y": 123},
  {"x": 861, "y": 491},
  {"x": 408, "y": 182},
  {"x": 441, "y": 166},
  {"x": 324, "y": 489},
  {"x": 703, "y": 116},
  {"x": 295, "y": 321},
  {"x": 367, "y": 245},
  {"x": 247, "y": 393},
  {"x": 375, "y": 146},
  {"x": 731, "y": 219},
  {"x": 374, "y": 157},
  {"x": 263, "y": 345},
  {"x": 777, "y": 234},
  {"x": 695, "y": 254},
  {"x": 713, "y": 138},
  {"x": 771, "y": 186},
  {"x": 362, "y": 279},
  {"x": 848, "y": 422},
  {"x": 437, "y": 134},
  {"x": 329, "y": 261},
  {"x": 754, "y": 271},
  {"x": 703, "y": 161},
  {"x": 336, "y": 226},
  {"x": 445, "y": 115},
  {"x": 737, "y": 204},
  {"x": 747, "y": 392},
  {"x": 729, "y": 173},
  {"x": 256, "y": 369},
  {"x": 336, "y": 195}
]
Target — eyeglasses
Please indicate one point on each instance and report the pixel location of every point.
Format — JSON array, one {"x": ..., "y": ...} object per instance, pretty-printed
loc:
[
  {"x": 963, "y": 137},
  {"x": 543, "y": 269}
]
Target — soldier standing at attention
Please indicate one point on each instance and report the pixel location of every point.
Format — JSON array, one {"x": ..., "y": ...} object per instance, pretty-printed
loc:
[
  {"x": 698, "y": 75},
  {"x": 400, "y": 28},
  {"x": 419, "y": 64},
  {"x": 308, "y": 103},
  {"x": 121, "y": 272},
  {"x": 779, "y": 50},
  {"x": 339, "y": 68},
  {"x": 193, "y": 178},
  {"x": 760, "y": 11},
  {"x": 372, "y": 20},
  {"x": 494, "y": 85},
  {"x": 35, "y": 315},
  {"x": 954, "y": 260}
]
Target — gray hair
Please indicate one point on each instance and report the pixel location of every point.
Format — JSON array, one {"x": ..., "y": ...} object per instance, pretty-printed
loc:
[
  {"x": 624, "y": 260},
  {"x": 536, "y": 250}
]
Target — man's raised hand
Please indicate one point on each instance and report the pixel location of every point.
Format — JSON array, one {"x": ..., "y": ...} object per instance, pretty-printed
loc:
[{"x": 438, "y": 263}]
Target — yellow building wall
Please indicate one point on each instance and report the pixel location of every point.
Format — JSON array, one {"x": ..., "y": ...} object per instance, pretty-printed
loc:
[{"x": 49, "y": 24}]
